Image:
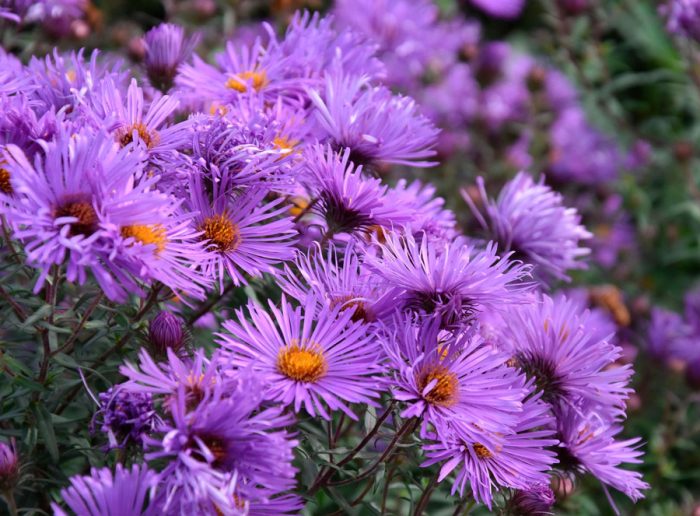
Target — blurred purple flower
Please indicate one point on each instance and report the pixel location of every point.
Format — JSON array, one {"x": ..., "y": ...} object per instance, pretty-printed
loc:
[
  {"x": 124, "y": 493},
  {"x": 166, "y": 49},
  {"x": 507, "y": 9}
]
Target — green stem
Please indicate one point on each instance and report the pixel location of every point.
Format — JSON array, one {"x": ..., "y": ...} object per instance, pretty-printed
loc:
[{"x": 11, "y": 504}]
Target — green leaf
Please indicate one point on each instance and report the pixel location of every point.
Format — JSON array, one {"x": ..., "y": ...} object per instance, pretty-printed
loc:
[{"x": 45, "y": 427}]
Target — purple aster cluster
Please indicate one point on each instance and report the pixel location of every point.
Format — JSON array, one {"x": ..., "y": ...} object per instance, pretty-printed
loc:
[
  {"x": 682, "y": 18},
  {"x": 267, "y": 165},
  {"x": 477, "y": 89},
  {"x": 674, "y": 339}
]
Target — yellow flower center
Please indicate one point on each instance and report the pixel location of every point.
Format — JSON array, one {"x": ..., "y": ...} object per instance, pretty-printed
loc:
[
  {"x": 284, "y": 143},
  {"x": 305, "y": 364},
  {"x": 240, "y": 81},
  {"x": 81, "y": 210},
  {"x": 481, "y": 451},
  {"x": 5, "y": 185},
  {"x": 125, "y": 135},
  {"x": 445, "y": 391},
  {"x": 221, "y": 232},
  {"x": 153, "y": 234}
]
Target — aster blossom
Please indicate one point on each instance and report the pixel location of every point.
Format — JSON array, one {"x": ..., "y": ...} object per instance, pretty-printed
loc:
[
  {"x": 377, "y": 126},
  {"x": 520, "y": 459},
  {"x": 242, "y": 232},
  {"x": 229, "y": 439},
  {"x": 338, "y": 278},
  {"x": 166, "y": 48},
  {"x": 454, "y": 382},
  {"x": 449, "y": 279},
  {"x": 347, "y": 200},
  {"x": 552, "y": 342},
  {"x": 103, "y": 493},
  {"x": 313, "y": 358},
  {"x": 61, "y": 203},
  {"x": 529, "y": 219},
  {"x": 588, "y": 445}
]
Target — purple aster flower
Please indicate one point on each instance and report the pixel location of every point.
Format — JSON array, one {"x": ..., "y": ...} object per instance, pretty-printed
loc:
[
  {"x": 166, "y": 331},
  {"x": 242, "y": 233},
  {"x": 552, "y": 341},
  {"x": 376, "y": 125},
  {"x": 251, "y": 143},
  {"x": 339, "y": 279},
  {"x": 20, "y": 125},
  {"x": 124, "y": 493},
  {"x": 581, "y": 153},
  {"x": 520, "y": 459},
  {"x": 65, "y": 80},
  {"x": 131, "y": 120},
  {"x": 531, "y": 220},
  {"x": 159, "y": 245},
  {"x": 344, "y": 197},
  {"x": 57, "y": 17},
  {"x": 451, "y": 279},
  {"x": 588, "y": 445},
  {"x": 507, "y": 9},
  {"x": 313, "y": 45},
  {"x": 312, "y": 358},
  {"x": 454, "y": 382},
  {"x": 166, "y": 49},
  {"x": 682, "y": 17},
  {"x": 126, "y": 417},
  {"x": 537, "y": 499},
  {"x": 241, "y": 70},
  {"x": 229, "y": 437},
  {"x": 196, "y": 376},
  {"x": 60, "y": 205},
  {"x": 13, "y": 78},
  {"x": 668, "y": 335},
  {"x": 9, "y": 466},
  {"x": 431, "y": 219}
]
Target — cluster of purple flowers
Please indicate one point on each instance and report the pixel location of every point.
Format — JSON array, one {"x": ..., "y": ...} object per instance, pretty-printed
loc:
[
  {"x": 674, "y": 338},
  {"x": 268, "y": 162},
  {"x": 682, "y": 18}
]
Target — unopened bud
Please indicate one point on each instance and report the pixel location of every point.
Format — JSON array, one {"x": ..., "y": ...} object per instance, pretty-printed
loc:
[
  {"x": 9, "y": 467},
  {"x": 166, "y": 331}
]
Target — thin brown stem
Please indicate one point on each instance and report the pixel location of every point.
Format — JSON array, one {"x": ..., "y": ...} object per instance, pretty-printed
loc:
[
  {"x": 86, "y": 315},
  {"x": 16, "y": 308},
  {"x": 325, "y": 475},
  {"x": 427, "y": 493},
  {"x": 202, "y": 310},
  {"x": 406, "y": 428},
  {"x": 387, "y": 484}
]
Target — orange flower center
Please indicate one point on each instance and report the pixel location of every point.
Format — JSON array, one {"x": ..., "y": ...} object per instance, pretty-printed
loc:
[
  {"x": 359, "y": 309},
  {"x": 445, "y": 389},
  {"x": 125, "y": 135},
  {"x": 240, "y": 81},
  {"x": 5, "y": 185},
  {"x": 481, "y": 451},
  {"x": 302, "y": 364},
  {"x": 221, "y": 232},
  {"x": 81, "y": 210},
  {"x": 153, "y": 234}
]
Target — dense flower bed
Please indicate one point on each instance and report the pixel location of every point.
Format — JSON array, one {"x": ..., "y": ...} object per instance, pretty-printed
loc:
[{"x": 362, "y": 258}]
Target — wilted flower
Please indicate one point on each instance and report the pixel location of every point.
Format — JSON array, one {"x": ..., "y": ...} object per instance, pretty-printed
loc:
[
  {"x": 126, "y": 417},
  {"x": 537, "y": 499}
]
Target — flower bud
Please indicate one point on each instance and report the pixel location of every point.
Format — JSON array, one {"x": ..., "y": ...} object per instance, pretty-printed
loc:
[
  {"x": 166, "y": 331},
  {"x": 9, "y": 467},
  {"x": 539, "y": 499}
]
